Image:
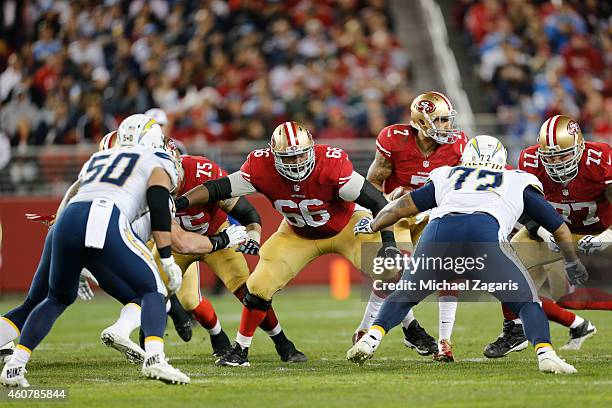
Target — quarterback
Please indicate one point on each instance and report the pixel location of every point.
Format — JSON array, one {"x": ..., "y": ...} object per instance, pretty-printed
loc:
[
  {"x": 474, "y": 207},
  {"x": 316, "y": 190},
  {"x": 577, "y": 180},
  {"x": 405, "y": 154}
]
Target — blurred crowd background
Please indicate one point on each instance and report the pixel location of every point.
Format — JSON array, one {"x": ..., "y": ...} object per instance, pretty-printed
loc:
[
  {"x": 231, "y": 70},
  {"x": 542, "y": 58},
  {"x": 222, "y": 70}
]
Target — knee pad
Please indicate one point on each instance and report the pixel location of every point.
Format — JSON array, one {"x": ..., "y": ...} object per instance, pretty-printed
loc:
[{"x": 255, "y": 302}]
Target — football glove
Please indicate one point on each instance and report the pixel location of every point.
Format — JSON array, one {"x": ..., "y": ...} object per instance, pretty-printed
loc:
[
  {"x": 363, "y": 226},
  {"x": 590, "y": 244},
  {"x": 84, "y": 291},
  {"x": 48, "y": 220},
  {"x": 250, "y": 247},
  {"x": 576, "y": 272},
  {"x": 173, "y": 272}
]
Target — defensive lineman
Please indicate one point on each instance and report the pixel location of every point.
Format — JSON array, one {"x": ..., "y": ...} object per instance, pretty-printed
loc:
[
  {"x": 94, "y": 231},
  {"x": 478, "y": 202}
]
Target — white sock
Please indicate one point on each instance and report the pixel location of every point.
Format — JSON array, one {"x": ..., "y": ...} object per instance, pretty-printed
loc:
[
  {"x": 168, "y": 306},
  {"x": 371, "y": 311},
  {"x": 154, "y": 345},
  {"x": 376, "y": 333},
  {"x": 577, "y": 322},
  {"x": 8, "y": 331},
  {"x": 277, "y": 329},
  {"x": 408, "y": 319},
  {"x": 517, "y": 321},
  {"x": 244, "y": 341},
  {"x": 129, "y": 320},
  {"x": 20, "y": 356},
  {"x": 216, "y": 329},
  {"x": 447, "y": 306}
]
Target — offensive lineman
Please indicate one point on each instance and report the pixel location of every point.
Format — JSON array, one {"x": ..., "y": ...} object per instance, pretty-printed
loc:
[{"x": 472, "y": 205}]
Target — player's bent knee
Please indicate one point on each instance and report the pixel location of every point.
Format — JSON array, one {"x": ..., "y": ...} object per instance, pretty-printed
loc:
[
  {"x": 255, "y": 302},
  {"x": 188, "y": 301}
]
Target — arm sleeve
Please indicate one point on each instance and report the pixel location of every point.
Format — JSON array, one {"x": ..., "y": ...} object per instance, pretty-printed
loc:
[
  {"x": 540, "y": 211},
  {"x": 370, "y": 198},
  {"x": 239, "y": 185},
  {"x": 424, "y": 198},
  {"x": 352, "y": 188},
  {"x": 245, "y": 213}
]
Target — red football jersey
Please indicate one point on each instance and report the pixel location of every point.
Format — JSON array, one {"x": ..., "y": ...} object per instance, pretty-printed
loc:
[
  {"x": 410, "y": 167},
  {"x": 313, "y": 206},
  {"x": 582, "y": 202},
  {"x": 201, "y": 219}
]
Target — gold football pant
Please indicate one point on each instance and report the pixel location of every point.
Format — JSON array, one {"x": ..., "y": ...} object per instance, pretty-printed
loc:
[
  {"x": 229, "y": 265},
  {"x": 285, "y": 254}
]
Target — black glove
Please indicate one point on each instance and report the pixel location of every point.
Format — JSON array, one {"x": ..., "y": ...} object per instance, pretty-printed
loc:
[
  {"x": 576, "y": 272},
  {"x": 389, "y": 252},
  {"x": 250, "y": 247}
]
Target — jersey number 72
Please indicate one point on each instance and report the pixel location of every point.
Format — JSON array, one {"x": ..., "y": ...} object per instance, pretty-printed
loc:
[{"x": 465, "y": 172}]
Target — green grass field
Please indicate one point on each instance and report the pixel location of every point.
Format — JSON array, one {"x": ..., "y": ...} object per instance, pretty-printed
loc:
[{"x": 73, "y": 357}]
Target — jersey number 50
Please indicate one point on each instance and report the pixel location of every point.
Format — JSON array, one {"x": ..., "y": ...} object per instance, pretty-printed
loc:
[
  {"x": 306, "y": 216},
  {"x": 116, "y": 172}
]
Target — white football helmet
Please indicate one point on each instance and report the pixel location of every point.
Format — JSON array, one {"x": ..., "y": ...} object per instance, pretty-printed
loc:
[
  {"x": 140, "y": 130},
  {"x": 159, "y": 115},
  {"x": 485, "y": 151}
]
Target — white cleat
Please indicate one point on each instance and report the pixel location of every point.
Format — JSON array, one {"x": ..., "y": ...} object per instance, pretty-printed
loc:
[
  {"x": 132, "y": 351},
  {"x": 549, "y": 362},
  {"x": 14, "y": 376},
  {"x": 362, "y": 350},
  {"x": 6, "y": 352},
  {"x": 579, "y": 335},
  {"x": 156, "y": 367}
]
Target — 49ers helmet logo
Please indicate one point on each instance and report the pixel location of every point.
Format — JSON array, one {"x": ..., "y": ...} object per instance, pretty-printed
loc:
[
  {"x": 572, "y": 127},
  {"x": 426, "y": 106}
]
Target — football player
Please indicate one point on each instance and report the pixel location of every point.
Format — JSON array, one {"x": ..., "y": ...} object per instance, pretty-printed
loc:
[
  {"x": 405, "y": 154},
  {"x": 577, "y": 179},
  {"x": 228, "y": 264},
  {"x": 93, "y": 230},
  {"x": 477, "y": 202},
  {"x": 320, "y": 196}
]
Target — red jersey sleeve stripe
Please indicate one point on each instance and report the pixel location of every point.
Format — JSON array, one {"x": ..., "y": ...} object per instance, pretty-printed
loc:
[{"x": 383, "y": 150}]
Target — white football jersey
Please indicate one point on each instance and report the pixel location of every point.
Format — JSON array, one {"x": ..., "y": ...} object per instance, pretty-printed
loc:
[
  {"x": 121, "y": 176},
  {"x": 479, "y": 189}
]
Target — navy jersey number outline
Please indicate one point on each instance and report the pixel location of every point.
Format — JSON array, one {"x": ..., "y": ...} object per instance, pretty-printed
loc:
[
  {"x": 95, "y": 168},
  {"x": 482, "y": 173}
]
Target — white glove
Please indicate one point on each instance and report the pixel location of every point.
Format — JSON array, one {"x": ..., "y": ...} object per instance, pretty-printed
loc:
[
  {"x": 590, "y": 244},
  {"x": 549, "y": 239},
  {"x": 84, "y": 291},
  {"x": 363, "y": 226},
  {"x": 236, "y": 234},
  {"x": 173, "y": 272}
]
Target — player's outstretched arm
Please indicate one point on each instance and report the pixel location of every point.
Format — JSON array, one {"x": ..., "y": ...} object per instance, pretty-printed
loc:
[
  {"x": 219, "y": 189},
  {"x": 408, "y": 205},
  {"x": 158, "y": 196},
  {"x": 244, "y": 212},
  {"x": 72, "y": 191}
]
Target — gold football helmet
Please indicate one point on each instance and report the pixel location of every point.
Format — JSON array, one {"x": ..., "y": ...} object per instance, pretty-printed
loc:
[
  {"x": 108, "y": 141},
  {"x": 293, "y": 149},
  {"x": 433, "y": 114},
  {"x": 561, "y": 147}
]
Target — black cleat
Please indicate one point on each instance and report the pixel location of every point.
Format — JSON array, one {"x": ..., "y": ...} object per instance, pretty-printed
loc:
[
  {"x": 417, "y": 338},
  {"x": 181, "y": 319},
  {"x": 579, "y": 335},
  {"x": 220, "y": 344},
  {"x": 511, "y": 339},
  {"x": 236, "y": 356},
  {"x": 288, "y": 353}
]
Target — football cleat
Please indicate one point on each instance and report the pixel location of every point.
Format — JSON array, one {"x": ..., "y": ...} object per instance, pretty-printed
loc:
[
  {"x": 289, "y": 354},
  {"x": 236, "y": 356},
  {"x": 579, "y": 335},
  {"x": 549, "y": 362},
  {"x": 132, "y": 351},
  {"x": 445, "y": 352},
  {"x": 358, "y": 335},
  {"x": 14, "y": 376},
  {"x": 220, "y": 344},
  {"x": 511, "y": 339},
  {"x": 184, "y": 330},
  {"x": 156, "y": 367},
  {"x": 7, "y": 351},
  {"x": 181, "y": 319},
  {"x": 363, "y": 350},
  {"x": 417, "y": 338}
]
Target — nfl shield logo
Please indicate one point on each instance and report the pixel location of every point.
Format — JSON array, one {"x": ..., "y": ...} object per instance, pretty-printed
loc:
[
  {"x": 565, "y": 192},
  {"x": 296, "y": 187},
  {"x": 426, "y": 163}
]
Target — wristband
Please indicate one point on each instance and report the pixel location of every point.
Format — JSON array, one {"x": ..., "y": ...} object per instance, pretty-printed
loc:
[{"x": 165, "y": 252}]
